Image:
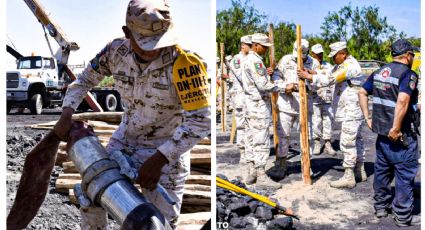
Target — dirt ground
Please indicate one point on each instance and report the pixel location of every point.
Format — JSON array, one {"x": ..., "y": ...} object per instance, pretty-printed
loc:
[
  {"x": 57, "y": 212},
  {"x": 319, "y": 205}
]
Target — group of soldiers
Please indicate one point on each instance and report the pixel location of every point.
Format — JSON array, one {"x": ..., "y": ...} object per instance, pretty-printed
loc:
[{"x": 332, "y": 97}]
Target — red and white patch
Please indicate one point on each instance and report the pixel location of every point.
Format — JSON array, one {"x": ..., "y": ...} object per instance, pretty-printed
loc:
[{"x": 386, "y": 72}]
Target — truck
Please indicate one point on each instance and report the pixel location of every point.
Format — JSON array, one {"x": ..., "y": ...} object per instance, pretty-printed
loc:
[
  {"x": 37, "y": 83},
  {"x": 40, "y": 82}
]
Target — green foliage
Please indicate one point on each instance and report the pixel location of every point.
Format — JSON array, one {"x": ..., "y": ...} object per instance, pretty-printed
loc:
[
  {"x": 239, "y": 20},
  {"x": 107, "y": 82},
  {"x": 368, "y": 34}
]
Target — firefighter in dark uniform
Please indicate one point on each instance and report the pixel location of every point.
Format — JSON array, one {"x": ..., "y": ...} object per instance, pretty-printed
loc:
[{"x": 395, "y": 97}]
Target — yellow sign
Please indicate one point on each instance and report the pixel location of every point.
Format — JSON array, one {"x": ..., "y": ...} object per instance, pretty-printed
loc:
[
  {"x": 191, "y": 81},
  {"x": 416, "y": 66}
]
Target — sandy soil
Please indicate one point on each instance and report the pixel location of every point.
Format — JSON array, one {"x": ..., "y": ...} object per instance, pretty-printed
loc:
[{"x": 319, "y": 205}]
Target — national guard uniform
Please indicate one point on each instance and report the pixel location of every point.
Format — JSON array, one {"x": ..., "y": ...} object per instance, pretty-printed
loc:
[
  {"x": 322, "y": 117},
  {"x": 289, "y": 103},
  {"x": 257, "y": 88},
  {"x": 237, "y": 94},
  {"x": 154, "y": 118},
  {"x": 347, "y": 78}
]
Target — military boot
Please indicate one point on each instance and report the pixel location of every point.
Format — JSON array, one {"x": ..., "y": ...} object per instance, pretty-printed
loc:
[
  {"x": 280, "y": 168},
  {"x": 264, "y": 182},
  {"x": 360, "y": 173},
  {"x": 252, "y": 174},
  {"x": 317, "y": 147},
  {"x": 346, "y": 181},
  {"x": 329, "y": 149}
]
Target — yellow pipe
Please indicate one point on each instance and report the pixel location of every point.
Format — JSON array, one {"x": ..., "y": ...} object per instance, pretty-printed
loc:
[{"x": 229, "y": 186}]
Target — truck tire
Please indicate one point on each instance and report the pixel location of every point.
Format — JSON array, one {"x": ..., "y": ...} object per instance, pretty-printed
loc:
[
  {"x": 36, "y": 104},
  {"x": 110, "y": 103}
]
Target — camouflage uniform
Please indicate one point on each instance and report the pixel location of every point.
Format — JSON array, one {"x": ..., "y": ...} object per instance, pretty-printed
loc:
[
  {"x": 288, "y": 105},
  {"x": 237, "y": 94},
  {"x": 153, "y": 120},
  {"x": 322, "y": 110},
  {"x": 257, "y": 88},
  {"x": 347, "y": 78}
]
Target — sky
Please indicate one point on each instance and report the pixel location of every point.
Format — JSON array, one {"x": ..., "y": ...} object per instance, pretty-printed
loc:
[
  {"x": 404, "y": 15},
  {"x": 92, "y": 24}
]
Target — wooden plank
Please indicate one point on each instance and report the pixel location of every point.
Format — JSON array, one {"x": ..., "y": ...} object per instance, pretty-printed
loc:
[
  {"x": 101, "y": 125},
  {"x": 197, "y": 187},
  {"x": 274, "y": 95},
  {"x": 223, "y": 90},
  {"x": 199, "y": 179},
  {"x": 201, "y": 149},
  {"x": 199, "y": 218},
  {"x": 114, "y": 117},
  {"x": 197, "y": 197},
  {"x": 205, "y": 141},
  {"x": 63, "y": 185},
  {"x": 200, "y": 158},
  {"x": 305, "y": 148}
]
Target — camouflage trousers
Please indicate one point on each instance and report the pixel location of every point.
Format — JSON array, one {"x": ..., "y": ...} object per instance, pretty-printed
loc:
[
  {"x": 240, "y": 131},
  {"x": 351, "y": 143},
  {"x": 257, "y": 134},
  {"x": 322, "y": 121},
  {"x": 172, "y": 179},
  {"x": 284, "y": 126}
]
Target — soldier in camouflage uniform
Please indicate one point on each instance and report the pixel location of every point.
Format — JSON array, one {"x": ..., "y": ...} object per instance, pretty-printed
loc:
[
  {"x": 347, "y": 78},
  {"x": 237, "y": 93},
  {"x": 155, "y": 131},
  {"x": 322, "y": 109},
  {"x": 257, "y": 88},
  {"x": 288, "y": 102}
]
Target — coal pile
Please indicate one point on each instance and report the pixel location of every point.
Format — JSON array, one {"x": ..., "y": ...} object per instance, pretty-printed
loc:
[{"x": 243, "y": 212}]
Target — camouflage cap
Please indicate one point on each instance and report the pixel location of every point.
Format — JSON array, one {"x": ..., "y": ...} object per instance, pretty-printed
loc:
[
  {"x": 317, "y": 49},
  {"x": 336, "y": 47},
  {"x": 150, "y": 23},
  {"x": 261, "y": 39},
  {"x": 246, "y": 39},
  {"x": 304, "y": 46}
]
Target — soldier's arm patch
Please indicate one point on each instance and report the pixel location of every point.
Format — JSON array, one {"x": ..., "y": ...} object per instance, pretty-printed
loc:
[
  {"x": 237, "y": 63},
  {"x": 191, "y": 81},
  {"x": 259, "y": 68}
]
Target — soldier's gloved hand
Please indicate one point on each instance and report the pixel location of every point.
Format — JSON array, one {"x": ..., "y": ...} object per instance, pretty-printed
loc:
[
  {"x": 150, "y": 172},
  {"x": 303, "y": 74},
  {"x": 64, "y": 123},
  {"x": 394, "y": 134}
]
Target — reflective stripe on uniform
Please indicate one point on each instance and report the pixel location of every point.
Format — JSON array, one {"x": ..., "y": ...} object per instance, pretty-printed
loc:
[
  {"x": 391, "y": 80},
  {"x": 380, "y": 101}
]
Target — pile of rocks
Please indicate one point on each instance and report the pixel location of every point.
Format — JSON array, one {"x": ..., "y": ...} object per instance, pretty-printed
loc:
[{"x": 243, "y": 212}]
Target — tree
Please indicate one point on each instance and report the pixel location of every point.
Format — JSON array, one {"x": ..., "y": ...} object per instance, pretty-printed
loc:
[
  {"x": 239, "y": 20},
  {"x": 368, "y": 35}
]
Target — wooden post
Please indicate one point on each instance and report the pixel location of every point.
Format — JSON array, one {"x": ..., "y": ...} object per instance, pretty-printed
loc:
[
  {"x": 223, "y": 90},
  {"x": 305, "y": 147},
  {"x": 274, "y": 95}
]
